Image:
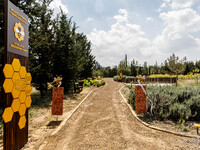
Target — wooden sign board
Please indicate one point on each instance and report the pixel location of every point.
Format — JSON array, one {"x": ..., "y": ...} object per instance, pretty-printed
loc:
[
  {"x": 57, "y": 100},
  {"x": 17, "y": 31},
  {"x": 15, "y": 130},
  {"x": 140, "y": 100}
]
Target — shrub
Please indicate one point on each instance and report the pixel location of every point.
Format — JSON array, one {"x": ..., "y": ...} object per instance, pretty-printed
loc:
[
  {"x": 116, "y": 78},
  {"x": 86, "y": 83},
  {"x": 170, "y": 102},
  {"x": 103, "y": 82}
]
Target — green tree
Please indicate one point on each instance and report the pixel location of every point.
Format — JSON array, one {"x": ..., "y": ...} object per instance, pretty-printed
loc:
[{"x": 175, "y": 65}]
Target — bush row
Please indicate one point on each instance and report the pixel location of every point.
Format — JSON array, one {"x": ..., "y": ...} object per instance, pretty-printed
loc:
[
  {"x": 170, "y": 102},
  {"x": 89, "y": 82}
]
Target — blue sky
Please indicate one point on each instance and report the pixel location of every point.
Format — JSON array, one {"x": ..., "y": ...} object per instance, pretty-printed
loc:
[{"x": 144, "y": 30}]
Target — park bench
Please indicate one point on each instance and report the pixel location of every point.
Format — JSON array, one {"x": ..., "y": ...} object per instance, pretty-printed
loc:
[
  {"x": 78, "y": 86},
  {"x": 198, "y": 126}
]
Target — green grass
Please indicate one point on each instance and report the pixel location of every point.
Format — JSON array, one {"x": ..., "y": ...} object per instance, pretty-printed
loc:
[{"x": 41, "y": 102}]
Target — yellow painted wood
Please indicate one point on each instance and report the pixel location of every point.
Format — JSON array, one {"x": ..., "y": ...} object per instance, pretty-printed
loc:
[
  {"x": 22, "y": 72},
  {"x": 8, "y": 85},
  {"x": 28, "y": 90},
  {"x": 8, "y": 71},
  {"x": 28, "y": 78},
  {"x": 28, "y": 102},
  {"x": 7, "y": 114},
  {"x": 22, "y": 122},
  {"x": 22, "y": 109},
  {"x": 22, "y": 97},
  {"x": 15, "y": 105},
  {"x": 16, "y": 64}
]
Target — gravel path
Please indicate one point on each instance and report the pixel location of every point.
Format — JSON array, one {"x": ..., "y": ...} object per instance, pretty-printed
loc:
[{"x": 105, "y": 122}]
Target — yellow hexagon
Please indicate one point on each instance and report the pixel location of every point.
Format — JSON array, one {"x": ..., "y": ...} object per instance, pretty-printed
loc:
[
  {"x": 22, "y": 122},
  {"x": 15, "y": 105},
  {"x": 22, "y": 109},
  {"x": 22, "y": 72},
  {"x": 28, "y": 78},
  {"x": 28, "y": 102},
  {"x": 8, "y": 71},
  {"x": 8, "y": 85},
  {"x": 7, "y": 114},
  {"x": 22, "y": 97},
  {"x": 15, "y": 93},
  {"x": 16, "y": 79},
  {"x": 28, "y": 90},
  {"x": 16, "y": 64}
]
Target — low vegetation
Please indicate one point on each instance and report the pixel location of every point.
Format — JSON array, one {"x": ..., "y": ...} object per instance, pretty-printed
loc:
[
  {"x": 95, "y": 82},
  {"x": 179, "y": 104}
]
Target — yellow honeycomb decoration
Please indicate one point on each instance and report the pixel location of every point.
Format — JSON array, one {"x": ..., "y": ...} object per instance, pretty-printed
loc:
[{"x": 17, "y": 82}]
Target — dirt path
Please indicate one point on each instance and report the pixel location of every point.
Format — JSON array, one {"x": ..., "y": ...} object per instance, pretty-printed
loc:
[{"x": 104, "y": 121}]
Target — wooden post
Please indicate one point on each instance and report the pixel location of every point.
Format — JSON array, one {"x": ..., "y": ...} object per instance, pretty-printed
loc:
[{"x": 16, "y": 46}]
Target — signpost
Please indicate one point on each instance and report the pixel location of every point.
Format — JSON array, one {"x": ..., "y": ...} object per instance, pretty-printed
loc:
[{"x": 17, "y": 81}]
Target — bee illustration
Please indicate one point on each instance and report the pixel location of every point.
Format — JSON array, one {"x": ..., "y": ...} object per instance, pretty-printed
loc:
[{"x": 19, "y": 31}]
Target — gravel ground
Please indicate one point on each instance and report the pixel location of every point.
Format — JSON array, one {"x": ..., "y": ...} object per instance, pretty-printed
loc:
[{"x": 104, "y": 121}]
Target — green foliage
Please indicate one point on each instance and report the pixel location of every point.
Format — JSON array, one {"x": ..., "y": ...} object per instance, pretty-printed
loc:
[
  {"x": 116, "y": 78},
  {"x": 170, "y": 102},
  {"x": 103, "y": 82},
  {"x": 86, "y": 83}
]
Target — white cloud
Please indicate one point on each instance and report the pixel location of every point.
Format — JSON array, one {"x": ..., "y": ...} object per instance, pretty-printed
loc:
[
  {"x": 56, "y": 5},
  {"x": 179, "y": 4},
  {"x": 123, "y": 16},
  {"x": 90, "y": 19},
  {"x": 149, "y": 19},
  {"x": 185, "y": 20},
  {"x": 124, "y": 37}
]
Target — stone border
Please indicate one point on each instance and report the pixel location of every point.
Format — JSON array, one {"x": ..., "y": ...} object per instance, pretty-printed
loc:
[{"x": 150, "y": 126}]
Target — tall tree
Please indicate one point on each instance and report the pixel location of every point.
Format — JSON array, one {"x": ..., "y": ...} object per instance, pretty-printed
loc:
[{"x": 175, "y": 65}]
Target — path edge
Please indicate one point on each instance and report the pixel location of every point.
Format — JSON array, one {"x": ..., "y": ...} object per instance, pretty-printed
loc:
[
  {"x": 64, "y": 121},
  {"x": 150, "y": 126}
]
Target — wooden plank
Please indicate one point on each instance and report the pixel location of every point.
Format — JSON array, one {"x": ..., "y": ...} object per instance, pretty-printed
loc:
[
  {"x": 14, "y": 137},
  {"x": 196, "y": 125}
]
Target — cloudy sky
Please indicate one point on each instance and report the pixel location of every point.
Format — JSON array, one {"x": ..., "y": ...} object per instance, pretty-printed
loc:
[{"x": 145, "y": 30}]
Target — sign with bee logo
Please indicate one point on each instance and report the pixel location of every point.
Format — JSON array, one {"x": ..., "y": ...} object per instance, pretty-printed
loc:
[
  {"x": 17, "y": 80},
  {"x": 17, "y": 31}
]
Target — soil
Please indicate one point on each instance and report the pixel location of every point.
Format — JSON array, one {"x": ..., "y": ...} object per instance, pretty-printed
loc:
[{"x": 104, "y": 121}]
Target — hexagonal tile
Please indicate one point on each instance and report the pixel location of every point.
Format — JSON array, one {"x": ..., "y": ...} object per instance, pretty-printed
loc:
[
  {"x": 22, "y": 72},
  {"x": 8, "y": 85},
  {"x": 22, "y": 122},
  {"x": 7, "y": 114},
  {"x": 16, "y": 79},
  {"x": 22, "y": 97},
  {"x": 22, "y": 109},
  {"x": 15, "y": 105},
  {"x": 28, "y": 78},
  {"x": 15, "y": 93},
  {"x": 8, "y": 71},
  {"x": 16, "y": 64},
  {"x": 28, "y": 89},
  {"x": 28, "y": 102}
]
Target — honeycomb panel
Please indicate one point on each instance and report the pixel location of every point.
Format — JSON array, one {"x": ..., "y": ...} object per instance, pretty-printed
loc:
[
  {"x": 22, "y": 109},
  {"x": 15, "y": 105},
  {"x": 22, "y": 97},
  {"x": 15, "y": 93},
  {"x": 16, "y": 79},
  {"x": 7, "y": 114},
  {"x": 22, "y": 72},
  {"x": 16, "y": 64},
  {"x": 28, "y": 90},
  {"x": 28, "y": 102},
  {"x": 28, "y": 78},
  {"x": 8, "y": 71},
  {"x": 8, "y": 85},
  {"x": 22, "y": 122}
]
